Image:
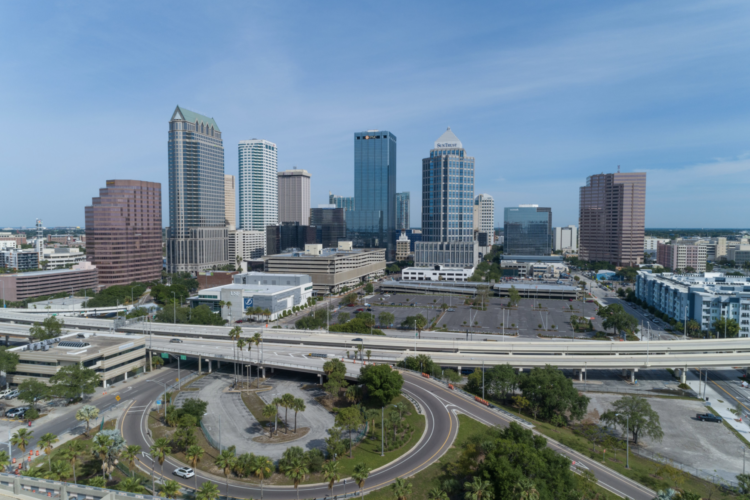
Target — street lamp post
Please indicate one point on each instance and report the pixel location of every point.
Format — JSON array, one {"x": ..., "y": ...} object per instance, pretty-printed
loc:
[
  {"x": 627, "y": 439},
  {"x": 174, "y": 308},
  {"x": 382, "y": 431}
]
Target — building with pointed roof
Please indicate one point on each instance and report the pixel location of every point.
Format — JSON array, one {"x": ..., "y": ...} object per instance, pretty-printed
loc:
[{"x": 197, "y": 237}]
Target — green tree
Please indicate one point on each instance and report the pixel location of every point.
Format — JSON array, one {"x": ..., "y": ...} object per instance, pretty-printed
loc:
[
  {"x": 51, "y": 327},
  {"x": 634, "y": 415},
  {"x": 130, "y": 455},
  {"x": 86, "y": 414},
  {"x": 160, "y": 450},
  {"x": 726, "y": 326},
  {"x": 4, "y": 461},
  {"x": 369, "y": 288},
  {"x": 501, "y": 380},
  {"x": 437, "y": 494},
  {"x": 262, "y": 468},
  {"x": 132, "y": 485},
  {"x": 478, "y": 490},
  {"x": 47, "y": 443},
  {"x": 97, "y": 482},
  {"x": 31, "y": 391},
  {"x": 401, "y": 489},
  {"x": 616, "y": 318},
  {"x": 551, "y": 394},
  {"x": 287, "y": 401},
  {"x": 296, "y": 470},
  {"x": 169, "y": 488},
  {"x": 297, "y": 405},
  {"x": 349, "y": 298},
  {"x": 59, "y": 470},
  {"x": 344, "y": 317},
  {"x": 21, "y": 439},
  {"x": 360, "y": 475},
  {"x": 350, "y": 418},
  {"x": 331, "y": 473},
  {"x": 386, "y": 319},
  {"x": 73, "y": 380},
  {"x": 226, "y": 462},
  {"x": 513, "y": 296},
  {"x": 270, "y": 411},
  {"x": 8, "y": 362},
  {"x": 207, "y": 491},
  {"x": 193, "y": 455},
  {"x": 417, "y": 322},
  {"x": 383, "y": 384}
]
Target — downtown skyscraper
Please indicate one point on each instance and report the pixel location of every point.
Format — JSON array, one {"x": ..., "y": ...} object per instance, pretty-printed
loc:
[
  {"x": 197, "y": 234},
  {"x": 373, "y": 221},
  {"x": 259, "y": 185},
  {"x": 447, "y": 206},
  {"x": 612, "y": 218}
]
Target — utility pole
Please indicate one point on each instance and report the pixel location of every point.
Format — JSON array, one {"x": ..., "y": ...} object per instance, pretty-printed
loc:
[
  {"x": 382, "y": 431},
  {"x": 482, "y": 379}
]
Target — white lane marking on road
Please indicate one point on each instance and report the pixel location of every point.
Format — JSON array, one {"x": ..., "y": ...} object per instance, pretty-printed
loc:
[{"x": 291, "y": 355}]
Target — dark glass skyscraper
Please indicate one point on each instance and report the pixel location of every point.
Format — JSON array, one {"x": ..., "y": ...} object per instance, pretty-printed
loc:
[
  {"x": 197, "y": 235},
  {"x": 330, "y": 224},
  {"x": 373, "y": 222},
  {"x": 528, "y": 230}
]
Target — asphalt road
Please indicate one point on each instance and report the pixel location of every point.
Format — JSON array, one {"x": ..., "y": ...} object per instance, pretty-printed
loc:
[{"x": 439, "y": 405}]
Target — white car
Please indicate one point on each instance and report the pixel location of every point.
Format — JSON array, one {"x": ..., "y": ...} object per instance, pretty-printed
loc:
[
  {"x": 5, "y": 392},
  {"x": 185, "y": 472}
]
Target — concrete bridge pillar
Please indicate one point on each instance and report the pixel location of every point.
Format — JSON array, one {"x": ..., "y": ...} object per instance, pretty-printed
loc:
[
  {"x": 520, "y": 370},
  {"x": 218, "y": 364},
  {"x": 580, "y": 375},
  {"x": 459, "y": 370},
  {"x": 7, "y": 339},
  {"x": 632, "y": 376},
  {"x": 209, "y": 365},
  {"x": 683, "y": 375},
  {"x": 200, "y": 360},
  {"x": 624, "y": 372},
  {"x": 150, "y": 358},
  {"x": 272, "y": 369},
  {"x": 126, "y": 377},
  {"x": 264, "y": 372},
  {"x": 320, "y": 377}
]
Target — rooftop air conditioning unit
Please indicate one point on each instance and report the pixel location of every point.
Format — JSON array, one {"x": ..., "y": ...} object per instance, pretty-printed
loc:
[{"x": 46, "y": 347}]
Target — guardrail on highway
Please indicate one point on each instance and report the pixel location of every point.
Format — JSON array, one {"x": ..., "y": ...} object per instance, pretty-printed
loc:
[{"x": 46, "y": 488}]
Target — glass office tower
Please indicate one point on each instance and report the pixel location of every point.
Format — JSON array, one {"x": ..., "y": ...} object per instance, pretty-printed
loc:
[
  {"x": 197, "y": 235},
  {"x": 403, "y": 209},
  {"x": 447, "y": 206},
  {"x": 373, "y": 222},
  {"x": 528, "y": 230}
]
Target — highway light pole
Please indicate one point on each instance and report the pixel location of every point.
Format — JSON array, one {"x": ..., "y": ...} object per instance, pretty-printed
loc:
[
  {"x": 174, "y": 309},
  {"x": 627, "y": 439},
  {"x": 382, "y": 431}
]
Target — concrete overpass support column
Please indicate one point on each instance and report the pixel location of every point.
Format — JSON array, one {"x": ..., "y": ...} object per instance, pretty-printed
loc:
[
  {"x": 200, "y": 359},
  {"x": 150, "y": 364},
  {"x": 459, "y": 370},
  {"x": 632, "y": 376},
  {"x": 624, "y": 372},
  {"x": 272, "y": 369},
  {"x": 126, "y": 376},
  {"x": 7, "y": 339},
  {"x": 683, "y": 375},
  {"x": 580, "y": 375},
  {"x": 218, "y": 364},
  {"x": 209, "y": 365},
  {"x": 104, "y": 383},
  {"x": 320, "y": 377}
]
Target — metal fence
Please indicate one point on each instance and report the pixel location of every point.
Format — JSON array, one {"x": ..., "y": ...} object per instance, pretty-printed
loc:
[
  {"x": 213, "y": 442},
  {"x": 711, "y": 476}
]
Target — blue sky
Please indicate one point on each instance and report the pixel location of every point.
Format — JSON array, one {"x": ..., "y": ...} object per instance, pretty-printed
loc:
[{"x": 542, "y": 94}]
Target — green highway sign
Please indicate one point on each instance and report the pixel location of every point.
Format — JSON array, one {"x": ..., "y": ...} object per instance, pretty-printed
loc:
[
  {"x": 183, "y": 357},
  {"x": 165, "y": 355}
]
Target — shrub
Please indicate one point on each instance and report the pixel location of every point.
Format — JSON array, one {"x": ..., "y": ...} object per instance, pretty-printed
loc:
[{"x": 31, "y": 414}]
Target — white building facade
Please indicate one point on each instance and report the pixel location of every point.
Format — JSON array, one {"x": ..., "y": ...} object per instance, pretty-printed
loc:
[
  {"x": 249, "y": 244},
  {"x": 484, "y": 214},
  {"x": 565, "y": 239},
  {"x": 259, "y": 185},
  {"x": 436, "y": 273}
]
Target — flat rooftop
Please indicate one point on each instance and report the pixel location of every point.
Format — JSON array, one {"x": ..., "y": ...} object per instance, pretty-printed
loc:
[
  {"x": 327, "y": 253},
  {"x": 533, "y": 258},
  {"x": 65, "y": 301},
  {"x": 72, "y": 345},
  {"x": 48, "y": 273},
  {"x": 540, "y": 287},
  {"x": 250, "y": 288}
]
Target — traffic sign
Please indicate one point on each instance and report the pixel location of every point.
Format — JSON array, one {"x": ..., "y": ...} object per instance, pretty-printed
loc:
[
  {"x": 117, "y": 398},
  {"x": 165, "y": 355},
  {"x": 158, "y": 401},
  {"x": 176, "y": 380},
  {"x": 183, "y": 357}
]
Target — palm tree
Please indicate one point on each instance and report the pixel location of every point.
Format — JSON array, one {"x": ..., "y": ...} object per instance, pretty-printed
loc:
[
  {"x": 249, "y": 345},
  {"x": 234, "y": 335},
  {"x": 256, "y": 340},
  {"x": 59, "y": 471},
  {"x": 226, "y": 461},
  {"x": 46, "y": 443},
  {"x": 159, "y": 450},
  {"x": 276, "y": 402},
  {"x": 268, "y": 412},
  {"x": 194, "y": 454},
  {"x": 368, "y": 353},
  {"x": 207, "y": 491},
  {"x": 401, "y": 407},
  {"x": 526, "y": 490},
  {"x": 296, "y": 470},
  {"x": 132, "y": 485},
  {"x": 287, "y": 400},
  {"x": 478, "y": 489},
  {"x": 401, "y": 489},
  {"x": 297, "y": 405},
  {"x": 437, "y": 494},
  {"x": 262, "y": 469},
  {"x": 353, "y": 393},
  {"x": 130, "y": 455},
  {"x": 72, "y": 452},
  {"x": 103, "y": 444},
  {"x": 331, "y": 473},
  {"x": 394, "y": 419},
  {"x": 371, "y": 415},
  {"x": 170, "y": 489},
  {"x": 4, "y": 460},
  {"x": 21, "y": 439},
  {"x": 240, "y": 345},
  {"x": 267, "y": 313},
  {"x": 360, "y": 474}
]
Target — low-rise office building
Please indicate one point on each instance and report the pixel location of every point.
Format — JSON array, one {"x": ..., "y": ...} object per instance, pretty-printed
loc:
[
  {"x": 682, "y": 255},
  {"x": 403, "y": 247},
  {"x": 20, "y": 286},
  {"x": 703, "y": 298},
  {"x": 111, "y": 356},
  {"x": 61, "y": 257},
  {"x": 436, "y": 273},
  {"x": 331, "y": 269},
  {"x": 525, "y": 269},
  {"x": 273, "y": 292}
]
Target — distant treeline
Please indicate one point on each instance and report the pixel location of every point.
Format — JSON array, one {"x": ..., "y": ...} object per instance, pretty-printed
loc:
[{"x": 687, "y": 233}]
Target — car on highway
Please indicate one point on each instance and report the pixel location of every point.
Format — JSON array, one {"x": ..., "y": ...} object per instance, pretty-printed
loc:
[
  {"x": 18, "y": 412},
  {"x": 12, "y": 394},
  {"x": 357, "y": 340},
  {"x": 184, "y": 472},
  {"x": 176, "y": 341},
  {"x": 386, "y": 295},
  {"x": 709, "y": 417}
]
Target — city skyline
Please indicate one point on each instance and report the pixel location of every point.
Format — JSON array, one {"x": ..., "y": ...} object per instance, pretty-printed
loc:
[{"x": 539, "y": 108}]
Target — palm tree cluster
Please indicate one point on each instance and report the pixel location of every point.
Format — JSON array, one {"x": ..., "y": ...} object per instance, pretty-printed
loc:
[
  {"x": 288, "y": 402},
  {"x": 240, "y": 343}
]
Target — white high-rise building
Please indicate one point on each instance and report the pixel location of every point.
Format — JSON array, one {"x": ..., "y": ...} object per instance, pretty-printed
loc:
[
  {"x": 566, "y": 238},
  {"x": 484, "y": 214},
  {"x": 259, "y": 185}
]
